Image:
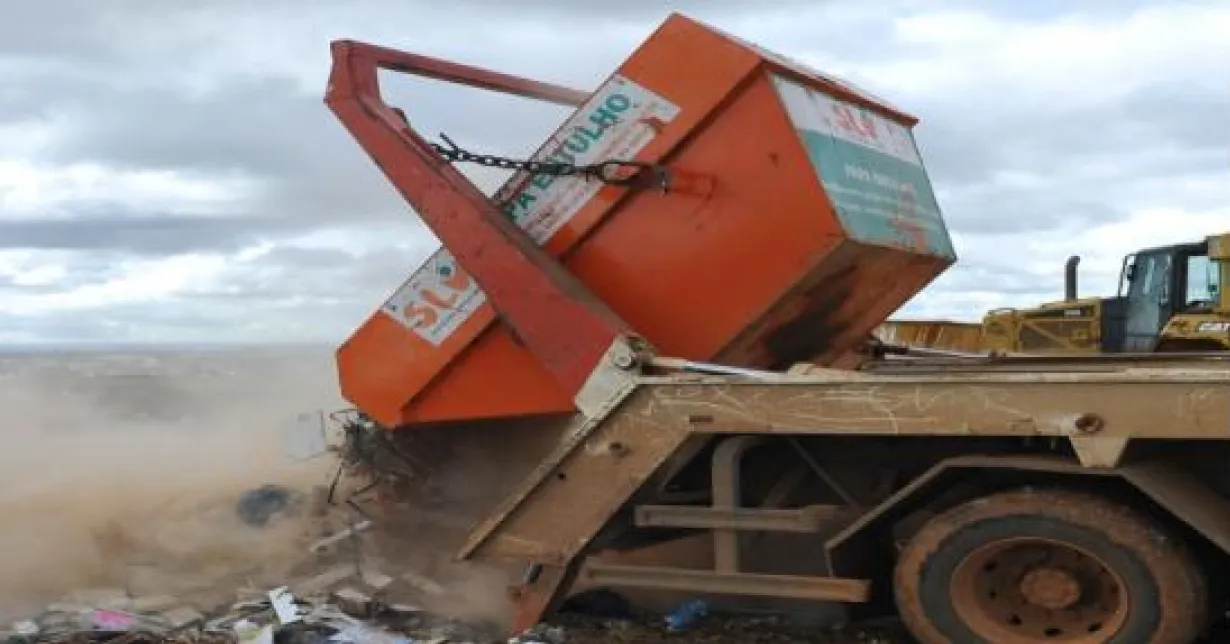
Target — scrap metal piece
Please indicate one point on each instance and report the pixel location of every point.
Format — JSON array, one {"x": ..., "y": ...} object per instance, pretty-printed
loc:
[
  {"x": 323, "y": 544},
  {"x": 705, "y": 581},
  {"x": 325, "y": 580},
  {"x": 802, "y": 520}
]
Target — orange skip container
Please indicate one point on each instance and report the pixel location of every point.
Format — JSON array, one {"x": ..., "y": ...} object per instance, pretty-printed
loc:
[{"x": 808, "y": 220}]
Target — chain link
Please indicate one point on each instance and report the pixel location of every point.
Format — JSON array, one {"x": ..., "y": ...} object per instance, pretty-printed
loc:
[{"x": 645, "y": 173}]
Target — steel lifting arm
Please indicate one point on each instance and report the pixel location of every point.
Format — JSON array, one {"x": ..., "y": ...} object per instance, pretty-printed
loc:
[{"x": 564, "y": 325}]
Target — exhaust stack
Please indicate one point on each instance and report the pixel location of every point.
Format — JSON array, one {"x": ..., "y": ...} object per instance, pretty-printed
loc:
[{"x": 1069, "y": 278}]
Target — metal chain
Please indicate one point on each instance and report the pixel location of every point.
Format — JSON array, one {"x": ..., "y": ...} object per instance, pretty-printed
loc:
[{"x": 602, "y": 171}]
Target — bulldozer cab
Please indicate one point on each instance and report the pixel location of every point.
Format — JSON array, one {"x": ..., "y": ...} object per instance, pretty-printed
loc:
[{"x": 1158, "y": 284}]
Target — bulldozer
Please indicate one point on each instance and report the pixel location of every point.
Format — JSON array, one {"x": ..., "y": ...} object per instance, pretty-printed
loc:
[
  {"x": 643, "y": 365},
  {"x": 1170, "y": 298}
]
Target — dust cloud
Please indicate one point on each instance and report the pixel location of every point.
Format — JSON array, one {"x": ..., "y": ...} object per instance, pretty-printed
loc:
[
  {"x": 123, "y": 470},
  {"x": 461, "y": 474}
]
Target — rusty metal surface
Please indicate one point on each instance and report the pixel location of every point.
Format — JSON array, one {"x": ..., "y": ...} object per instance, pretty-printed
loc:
[
  {"x": 548, "y": 470},
  {"x": 704, "y": 581},
  {"x": 1138, "y": 403},
  {"x": 1104, "y": 363},
  {"x": 538, "y": 595},
  {"x": 805, "y": 520},
  {"x": 1099, "y": 451},
  {"x": 1026, "y": 463},
  {"x": 727, "y": 483},
  {"x": 932, "y": 334},
  {"x": 968, "y": 611},
  {"x": 1187, "y": 498},
  {"x": 562, "y": 505},
  {"x": 1002, "y": 583},
  {"x": 586, "y": 482},
  {"x": 1173, "y": 488}
]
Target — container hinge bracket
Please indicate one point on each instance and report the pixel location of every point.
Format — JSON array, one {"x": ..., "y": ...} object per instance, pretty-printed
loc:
[{"x": 613, "y": 377}]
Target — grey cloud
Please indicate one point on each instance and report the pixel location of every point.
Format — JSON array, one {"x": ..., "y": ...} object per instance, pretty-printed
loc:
[
  {"x": 39, "y": 28},
  {"x": 1160, "y": 133},
  {"x": 263, "y": 128},
  {"x": 21, "y": 102},
  {"x": 640, "y": 11},
  {"x": 1048, "y": 9},
  {"x": 966, "y": 141},
  {"x": 79, "y": 269},
  {"x": 359, "y": 277},
  {"x": 142, "y": 233},
  {"x": 283, "y": 296},
  {"x": 1025, "y": 210},
  {"x": 311, "y": 169},
  {"x": 1005, "y": 279},
  {"x": 1183, "y": 116},
  {"x": 137, "y": 31},
  {"x": 634, "y": 9},
  {"x": 247, "y": 125}
]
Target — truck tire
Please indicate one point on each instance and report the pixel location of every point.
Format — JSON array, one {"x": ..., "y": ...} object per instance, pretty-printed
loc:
[{"x": 1048, "y": 566}]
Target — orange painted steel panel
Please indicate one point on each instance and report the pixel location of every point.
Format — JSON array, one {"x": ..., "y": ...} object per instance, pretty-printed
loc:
[{"x": 819, "y": 223}]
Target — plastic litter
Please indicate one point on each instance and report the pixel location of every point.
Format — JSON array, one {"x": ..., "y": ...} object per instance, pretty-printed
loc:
[
  {"x": 284, "y": 605},
  {"x": 363, "y": 634},
  {"x": 114, "y": 620},
  {"x": 250, "y": 633},
  {"x": 540, "y": 634},
  {"x": 687, "y": 615}
]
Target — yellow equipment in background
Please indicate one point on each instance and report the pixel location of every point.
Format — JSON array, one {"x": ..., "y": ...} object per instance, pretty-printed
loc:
[
  {"x": 965, "y": 337},
  {"x": 1170, "y": 298}
]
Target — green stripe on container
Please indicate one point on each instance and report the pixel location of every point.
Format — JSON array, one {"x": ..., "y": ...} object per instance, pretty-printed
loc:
[{"x": 866, "y": 188}]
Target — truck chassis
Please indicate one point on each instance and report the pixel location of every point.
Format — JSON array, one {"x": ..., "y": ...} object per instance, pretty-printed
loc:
[{"x": 1070, "y": 467}]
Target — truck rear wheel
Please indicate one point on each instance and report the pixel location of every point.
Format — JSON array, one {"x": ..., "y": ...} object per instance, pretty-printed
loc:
[{"x": 1048, "y": 566}]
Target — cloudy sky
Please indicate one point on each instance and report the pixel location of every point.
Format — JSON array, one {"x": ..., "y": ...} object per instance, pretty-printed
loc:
[{"x": 168, "y": 172}]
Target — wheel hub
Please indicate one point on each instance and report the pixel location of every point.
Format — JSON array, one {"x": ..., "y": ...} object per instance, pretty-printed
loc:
[
  {"x": 1050, "y": 588},
  {"x": 1037, "y": 590}
]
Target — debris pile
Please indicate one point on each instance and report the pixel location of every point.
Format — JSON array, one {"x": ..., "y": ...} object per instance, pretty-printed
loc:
[
  {"x": 348, "y": 616},
  {"x": 342, "y": 615}
]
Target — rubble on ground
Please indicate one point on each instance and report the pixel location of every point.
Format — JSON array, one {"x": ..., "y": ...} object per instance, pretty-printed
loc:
[
  {"x": 346, "y": 615},
  {"x": 344, "y": 597},
  {"x": 341, "y": 615}
]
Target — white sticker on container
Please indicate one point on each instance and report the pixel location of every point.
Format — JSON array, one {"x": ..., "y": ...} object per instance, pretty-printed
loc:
[{"x": 617, "y": 122}]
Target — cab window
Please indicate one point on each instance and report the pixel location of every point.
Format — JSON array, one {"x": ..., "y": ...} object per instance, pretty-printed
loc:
[
  {"x": 1149, "y": 277},
  {"x": 1203, "y": 282}
]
